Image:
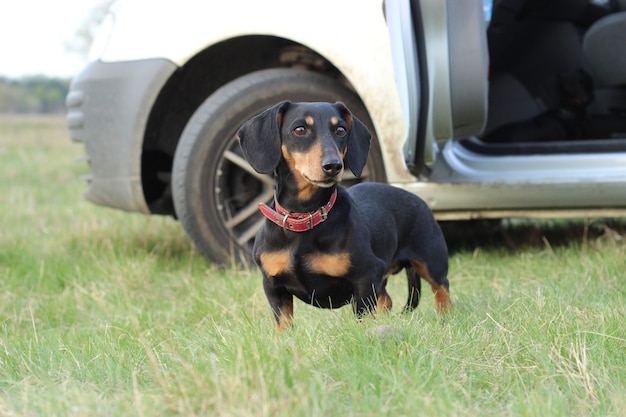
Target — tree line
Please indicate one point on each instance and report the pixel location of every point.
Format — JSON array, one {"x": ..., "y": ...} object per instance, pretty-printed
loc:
[{"x": 36, "y": 94}]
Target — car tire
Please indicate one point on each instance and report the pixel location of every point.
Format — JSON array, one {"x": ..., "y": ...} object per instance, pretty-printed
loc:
[{"x": 215, "y": 191}]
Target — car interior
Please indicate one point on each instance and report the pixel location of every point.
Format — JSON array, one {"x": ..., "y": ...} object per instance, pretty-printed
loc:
[{"x": 557, "y": 78}]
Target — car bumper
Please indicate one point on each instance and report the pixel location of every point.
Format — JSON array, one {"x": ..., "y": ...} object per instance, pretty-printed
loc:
[{"x": 108, "y": 108}]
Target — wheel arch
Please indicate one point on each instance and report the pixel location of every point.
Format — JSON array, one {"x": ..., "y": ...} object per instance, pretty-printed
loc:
[{"x": 196, "y": 80}]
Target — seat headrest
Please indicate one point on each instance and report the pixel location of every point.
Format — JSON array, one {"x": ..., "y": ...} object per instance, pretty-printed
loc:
[{"x": 604, "y": 45}]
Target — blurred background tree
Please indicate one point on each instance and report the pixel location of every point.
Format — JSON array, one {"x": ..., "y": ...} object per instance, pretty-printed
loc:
[
  {"x": 37, "y": 94},
  {"x": 83, "y": 37}
]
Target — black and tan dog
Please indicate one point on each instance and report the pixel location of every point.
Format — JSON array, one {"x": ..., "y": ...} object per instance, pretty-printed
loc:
[{"x": 327, "y": 245}]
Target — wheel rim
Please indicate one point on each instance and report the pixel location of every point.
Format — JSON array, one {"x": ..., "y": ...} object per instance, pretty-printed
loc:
[{"x": 239, "y": 189}]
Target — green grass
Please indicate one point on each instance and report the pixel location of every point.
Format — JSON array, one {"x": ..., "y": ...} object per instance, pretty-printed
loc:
[{"x": 105, "y": 313}]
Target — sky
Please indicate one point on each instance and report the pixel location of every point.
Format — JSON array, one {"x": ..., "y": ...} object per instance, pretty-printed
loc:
[{"x": 33, "y": 34}]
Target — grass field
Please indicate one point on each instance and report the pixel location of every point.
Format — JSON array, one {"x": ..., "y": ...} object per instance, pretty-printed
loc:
[{"x": 105, "y": 313}]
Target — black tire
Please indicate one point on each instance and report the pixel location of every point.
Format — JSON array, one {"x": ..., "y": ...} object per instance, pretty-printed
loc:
[{"x": 215, "y": 191}]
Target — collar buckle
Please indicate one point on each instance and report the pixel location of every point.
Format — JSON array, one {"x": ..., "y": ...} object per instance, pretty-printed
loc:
[{"x": 323, "y": 213}]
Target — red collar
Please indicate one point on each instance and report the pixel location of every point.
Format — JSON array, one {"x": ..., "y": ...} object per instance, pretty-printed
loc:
[{"x": 298, "y": 222}]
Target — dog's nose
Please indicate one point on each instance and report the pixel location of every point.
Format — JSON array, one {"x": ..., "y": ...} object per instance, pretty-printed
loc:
[{"x": 332, "y": 166}]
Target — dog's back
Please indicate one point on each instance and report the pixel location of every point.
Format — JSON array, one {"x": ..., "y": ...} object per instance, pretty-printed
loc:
[{"x": 398, "y": 222}]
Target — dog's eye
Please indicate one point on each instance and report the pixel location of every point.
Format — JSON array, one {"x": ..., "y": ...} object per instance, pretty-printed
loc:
[
  {"x": 340, "y": 131},
  {"x": 300, "y": 131}
]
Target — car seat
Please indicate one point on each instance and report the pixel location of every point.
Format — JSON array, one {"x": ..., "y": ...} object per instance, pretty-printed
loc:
[{"x": 603, "y": 46}]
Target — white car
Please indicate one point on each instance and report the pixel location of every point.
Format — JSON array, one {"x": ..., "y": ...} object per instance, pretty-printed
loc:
[{"x": 520, "y": 111}]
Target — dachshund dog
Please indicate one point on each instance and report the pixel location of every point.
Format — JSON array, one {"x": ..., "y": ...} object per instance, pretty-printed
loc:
[{"x": 327, "y": 245}]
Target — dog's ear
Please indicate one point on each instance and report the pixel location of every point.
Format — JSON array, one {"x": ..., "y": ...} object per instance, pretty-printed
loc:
[
  {"x": 259, "y": 138},
  {"x": 358, "y": 140}
]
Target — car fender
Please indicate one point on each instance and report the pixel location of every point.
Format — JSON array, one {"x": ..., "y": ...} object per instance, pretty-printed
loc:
[{"x": 178, "y": 30}]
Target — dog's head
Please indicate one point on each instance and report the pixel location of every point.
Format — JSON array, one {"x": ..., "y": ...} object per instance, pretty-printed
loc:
[{"x": 313, "y": 138}]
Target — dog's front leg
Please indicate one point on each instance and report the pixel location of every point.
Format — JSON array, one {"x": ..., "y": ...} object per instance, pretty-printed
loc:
[
  {"x": 364, "y": 301},
  {"x": 281, "y": 303},
  {"x": 369, "y": 289}
]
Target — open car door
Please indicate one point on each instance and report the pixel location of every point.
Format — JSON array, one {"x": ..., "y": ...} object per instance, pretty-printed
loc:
[{"x": 441, "y": 61}]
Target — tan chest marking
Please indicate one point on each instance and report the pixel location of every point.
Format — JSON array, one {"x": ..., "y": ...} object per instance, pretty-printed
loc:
[
  {"x": 334, "y": 265},
  {"x": 276, "y": 263}
]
